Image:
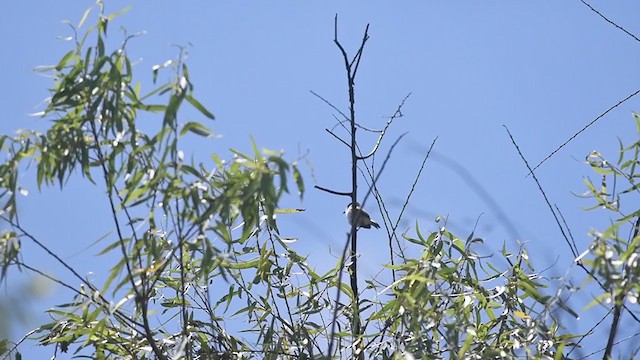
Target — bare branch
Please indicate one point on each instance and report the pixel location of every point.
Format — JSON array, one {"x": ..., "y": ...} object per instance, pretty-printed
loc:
[
  {"x": 358, "y": 55},
  {"x": 337, "y": 137},
  {"x": 609, "y": 21},
  {"x": 341, "y": 193}
]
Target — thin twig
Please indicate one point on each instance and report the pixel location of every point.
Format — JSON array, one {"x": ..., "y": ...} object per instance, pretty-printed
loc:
[
  {"x": 341, "y": 193},
  {"x": 582, "y": 130},
  {"x": 337, "y": 137},
  {"x": 384, "y": 164},
  {"x": 15, "y": 346},
  {"x": 564, "y": 222},
  {"x": 358, "y": 56},
  {"x": 384, "y": 130},
  {"x": 330, "y": 104},
  {"x": 404, "y": 206},
  {"x": 544, "y": 194},
  {"x": 73, "y": 271},
  {"x": 609, "y": 21},
  {"x": 617, "y": 342}
]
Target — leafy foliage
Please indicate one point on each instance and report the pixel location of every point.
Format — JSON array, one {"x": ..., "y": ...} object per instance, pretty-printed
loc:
[{"x": 613, "y": 254}]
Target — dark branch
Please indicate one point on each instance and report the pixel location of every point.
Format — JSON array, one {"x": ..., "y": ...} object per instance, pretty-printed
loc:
[
  {"x": 337, "y": 137},
  {"x": 341, "y": 193},
  {"x": 609, "y": 21}
]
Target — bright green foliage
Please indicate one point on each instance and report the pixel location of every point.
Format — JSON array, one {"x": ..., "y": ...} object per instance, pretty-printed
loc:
[
  {"x": 613, "y": 254},
  {"x": 444, "y": 307},
  {"x": 175, "y": 220}
]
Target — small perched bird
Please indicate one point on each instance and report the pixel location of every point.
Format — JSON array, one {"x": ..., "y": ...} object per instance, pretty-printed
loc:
[{"x": 363, "y": 219}]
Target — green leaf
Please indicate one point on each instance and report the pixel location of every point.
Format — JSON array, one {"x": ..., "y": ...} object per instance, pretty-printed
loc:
[
  {"x": 84, "y": 17},
  {"x": 530, "y": 290},
  {"x": 465, "y": 347},
  {"x": 159, "y": 90},
  {"x": 297, "y": 177},
  {"x": 287, "y": 211},
  {"x": 172, "y": 110},
  {"x": 65, "y": 59},
  {"x": 560, "y": 351},
  {"x": 119, "y": 13},
  {"x": 566, "y": 308},
  {"x": 151, "y": 108},
  {"x": 345, "y": 289},
  {"x": 174, "y": 302},
  {"x": 256, "y": 153},
  {"x": 243, "y": 264},
  {"x": 196, "y": 104},
  {"x": 196, "y": 128}
]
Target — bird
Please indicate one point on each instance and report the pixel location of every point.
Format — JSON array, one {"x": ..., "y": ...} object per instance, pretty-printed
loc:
[{"x": 363, "y": 219}]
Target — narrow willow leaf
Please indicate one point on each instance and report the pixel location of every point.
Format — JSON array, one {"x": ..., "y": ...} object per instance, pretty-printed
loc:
[
  {"x": 196, "y": 128},
  {"x": 344, "y": 288},
  {"x": 466, "y": 346},
  {"x": 196, "y": 104},
  {"x": 175, "y": 302},
  {"x": 65, "y": 59},
  {"x": 521, "y": 315},
  {"x": 288, "y": 211},
  {"x": 243, "y": 264},
  {"x": 151, "y": 108},
  {"x": 84, "y": 17},
  {"x": 297, "y": 177},
  {"x": 256, "y": 153}
]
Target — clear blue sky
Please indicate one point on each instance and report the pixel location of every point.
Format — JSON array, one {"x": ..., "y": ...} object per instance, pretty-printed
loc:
[{"x": 544, "y": 69}]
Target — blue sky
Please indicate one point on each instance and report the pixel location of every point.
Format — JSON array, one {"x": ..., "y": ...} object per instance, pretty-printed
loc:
[{"x": 543, "y": 69}]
